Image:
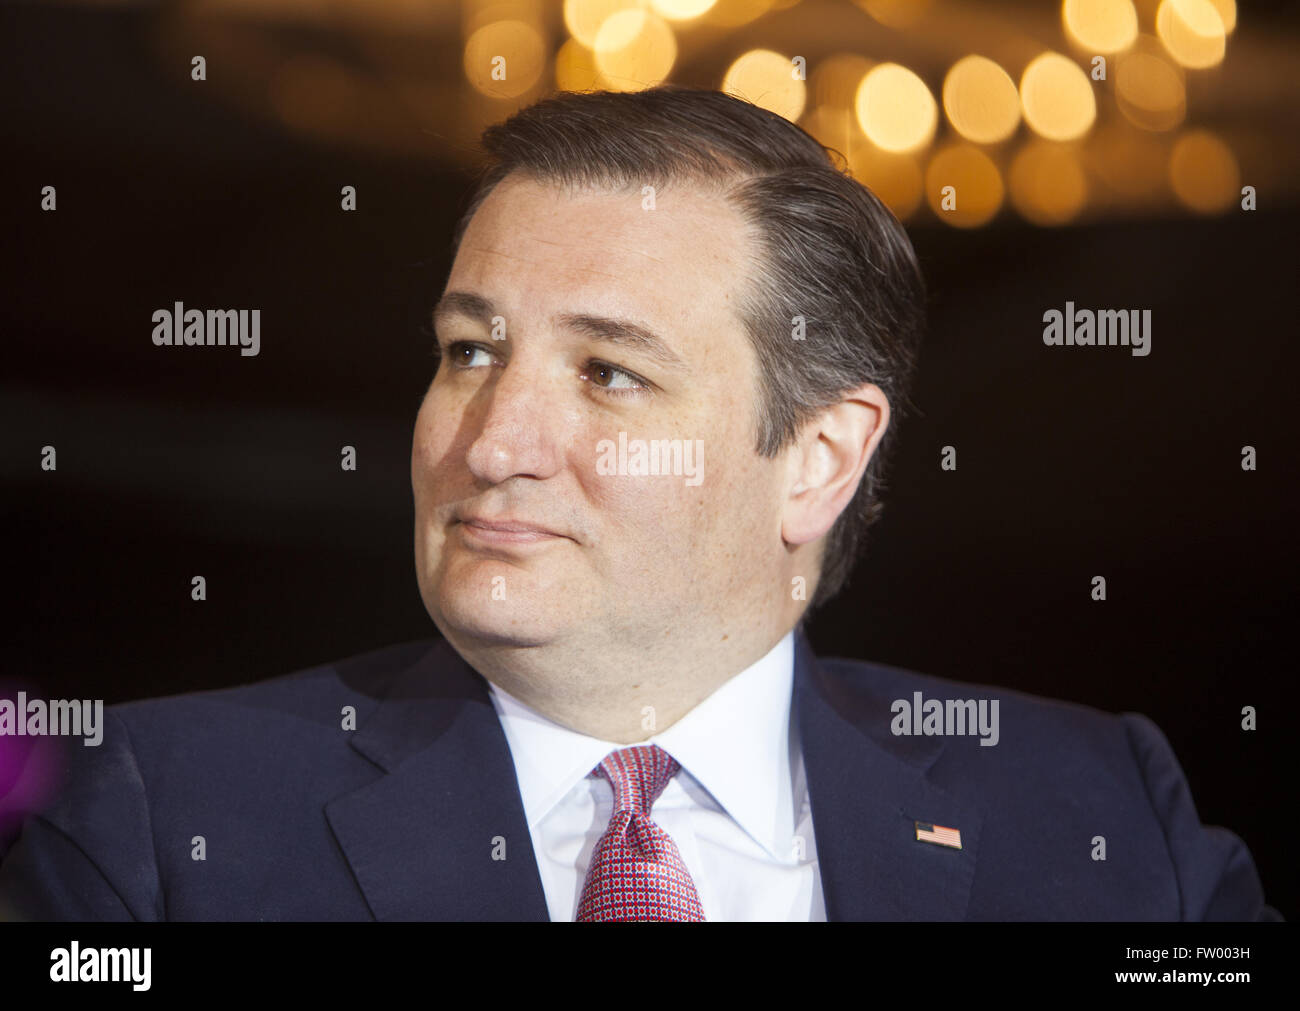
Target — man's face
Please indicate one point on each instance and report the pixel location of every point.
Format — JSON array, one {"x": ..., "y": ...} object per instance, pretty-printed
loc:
[{"x": 511, "y": 429}]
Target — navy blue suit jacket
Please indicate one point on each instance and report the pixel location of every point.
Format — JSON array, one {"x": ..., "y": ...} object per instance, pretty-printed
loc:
[{"x": 398, "y": 819}]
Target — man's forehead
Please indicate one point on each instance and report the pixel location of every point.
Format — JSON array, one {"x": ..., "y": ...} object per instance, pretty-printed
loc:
[
  {"x": 676, "y": 262},
  {"x": 622, "y": 332},
  {"x": 670, "y": 235}
]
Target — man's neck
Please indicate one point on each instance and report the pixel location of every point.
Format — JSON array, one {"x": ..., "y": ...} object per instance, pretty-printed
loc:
[{"x": 614, "y": 695}]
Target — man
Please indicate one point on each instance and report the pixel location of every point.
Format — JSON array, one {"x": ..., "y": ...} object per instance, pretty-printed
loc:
[{"x": 671, "y": 344}]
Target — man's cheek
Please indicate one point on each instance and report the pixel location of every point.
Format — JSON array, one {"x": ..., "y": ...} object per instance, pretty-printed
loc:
[{"x": 433, "y": 450}]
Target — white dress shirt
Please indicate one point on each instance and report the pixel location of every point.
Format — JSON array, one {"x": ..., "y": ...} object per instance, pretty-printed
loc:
[{"x": 738, "y": 810}]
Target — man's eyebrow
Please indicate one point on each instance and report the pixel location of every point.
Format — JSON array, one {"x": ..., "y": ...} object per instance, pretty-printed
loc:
[
  {"x": 621, "y": 332},
  {"x": 464, "y": 303},
  {"x": 624, "y": 333}
]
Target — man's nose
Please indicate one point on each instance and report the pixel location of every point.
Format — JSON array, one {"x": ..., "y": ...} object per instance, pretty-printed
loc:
[{"x": 516, "y": 416}]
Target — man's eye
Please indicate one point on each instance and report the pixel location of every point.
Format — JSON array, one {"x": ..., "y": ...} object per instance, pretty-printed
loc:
[
  {"x": 607, "y": 374},
  {"x": 461, "y": 354},
  {"x": 610, "y": 380}
]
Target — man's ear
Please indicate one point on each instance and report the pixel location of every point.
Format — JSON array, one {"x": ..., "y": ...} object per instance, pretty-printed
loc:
[{"x": 828, "y": 461}]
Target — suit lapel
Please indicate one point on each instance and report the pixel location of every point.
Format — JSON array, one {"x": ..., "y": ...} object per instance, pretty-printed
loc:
[
  {"x": 867, "y": 789},
  {"x": 420, "y": 840}
]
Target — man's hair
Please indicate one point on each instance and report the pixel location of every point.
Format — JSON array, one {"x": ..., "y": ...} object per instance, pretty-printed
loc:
[{"x": 830, "y": 252}]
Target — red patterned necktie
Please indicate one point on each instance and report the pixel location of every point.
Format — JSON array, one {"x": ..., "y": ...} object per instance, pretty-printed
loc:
[{"x": 636, "y": 872}]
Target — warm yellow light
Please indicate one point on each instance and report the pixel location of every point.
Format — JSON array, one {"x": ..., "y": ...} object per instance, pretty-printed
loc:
[
  {"x": 895, "y": 109},
  {"x": 981, "y": 100},
  {"x": 583, "y": 18},
  {"x": 1046, "y": 183},
  {"x": 635, "y": 49},
  {"x": 895, "y": 13},
  {"x": 834, "y": 81},
  {"x": 1227, "y": 13},
  {"x": 1149, "y": 89},
  {"x": 834, "y": 127},
  {"x": 767, "y": 79},
  {"x": 504, "y": 59},
  {"x": 1100, "y": 26},
  {"x": 894, "y": 178},
  {"x": 681, "y": 10},
  {"x": 734, "y": 13},
  {"x": 963, "y": 186},
  {"x": 1056, "y": 97},
  {"x": 1192, "y": 31},
  {"x": 575, "y": 68},
  {"x": 1204, "y": 173}
]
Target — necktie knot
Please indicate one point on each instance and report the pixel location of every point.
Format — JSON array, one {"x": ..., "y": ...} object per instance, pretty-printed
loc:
[
  {"x": 636, "y": 871},
  {"x": 638, "y": 775}
]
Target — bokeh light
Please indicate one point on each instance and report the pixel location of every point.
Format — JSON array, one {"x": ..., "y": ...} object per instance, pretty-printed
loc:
[
  {"x": 1046, "y": 183},
  {"x": 1056, "y": 98},
  {"x": 976, "y": 186},
  {"x": 1100, "y": 26},
  {"x": 504, "y": 59},
  {"x": 1102, "y": 148},
  {"x": 583, "y": 18},
  {"x": 895, "y": 109},
  {"x": 981, "y": 100},
  {"x": 1204, "y": 173},
  {"x": 575, "y": 68},
  {"x": 734, "y": 13},
  {"x": 895, "y": 13},
  {"x": 895, "y": 178},
  {"x": 1192, "y": 31},
  {"x": 681, "y": 10},
  {"x": 766, "y": 78},
  {"x": 834, "y": 127},
  {"x": 1227, "y": 13},
  {"x": 634, "y": 49},
  {"x": 1149, "y": 88},
  {"x": 834, "y": 80}
]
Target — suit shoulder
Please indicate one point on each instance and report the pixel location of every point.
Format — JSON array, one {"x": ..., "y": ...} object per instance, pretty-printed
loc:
[
  {"x": 872, "y": 680},
  {"x": 1029, "y": 740},
  {"x": 1055, "y": 782},
  {"x": 281, "y": 741},
  {"x": 314, "y": 694}
]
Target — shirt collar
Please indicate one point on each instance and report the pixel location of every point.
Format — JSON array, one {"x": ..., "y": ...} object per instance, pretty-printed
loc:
[{"x": 738, "y": 744}]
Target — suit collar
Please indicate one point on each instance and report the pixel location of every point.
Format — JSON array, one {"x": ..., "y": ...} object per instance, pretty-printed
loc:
[
  {"x": 426, "y": 839},
  {"x": 867, "y": 789},
  {"x": 750, "y": 778},
  {"x": 442, "y": 835}
]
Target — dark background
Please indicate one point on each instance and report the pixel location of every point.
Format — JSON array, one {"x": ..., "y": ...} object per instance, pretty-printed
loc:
[{"x": 1072, "y": 462}]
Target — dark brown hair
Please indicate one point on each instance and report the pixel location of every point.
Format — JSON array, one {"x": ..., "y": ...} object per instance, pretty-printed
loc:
[{"x": 831, "y": 252}]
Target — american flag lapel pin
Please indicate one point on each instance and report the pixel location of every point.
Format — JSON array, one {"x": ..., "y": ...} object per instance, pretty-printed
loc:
[{"x": 938, "y": 834}]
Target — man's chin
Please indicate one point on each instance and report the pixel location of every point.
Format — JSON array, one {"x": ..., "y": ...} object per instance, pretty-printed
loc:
[{"x": 469, "y": 621}]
